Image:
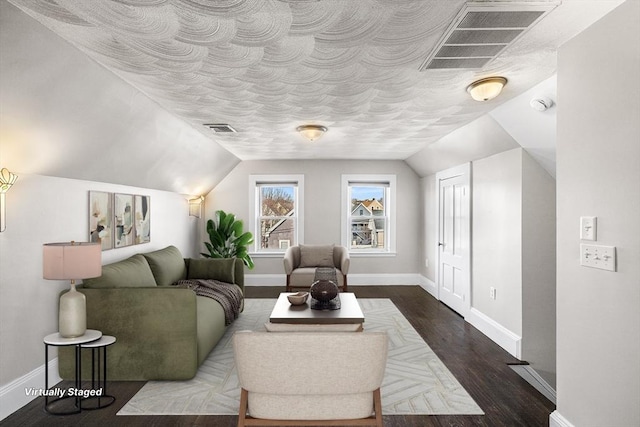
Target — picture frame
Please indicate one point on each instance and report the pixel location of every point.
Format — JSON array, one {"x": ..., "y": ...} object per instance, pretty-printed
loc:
[
  {"x": 101, "y": 219},
  {"x": 123, "y": 219},
  {"x": 142, "y": 219}
]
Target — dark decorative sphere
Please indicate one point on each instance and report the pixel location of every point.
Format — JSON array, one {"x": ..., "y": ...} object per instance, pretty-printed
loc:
[{"x": 324, "y": 290}]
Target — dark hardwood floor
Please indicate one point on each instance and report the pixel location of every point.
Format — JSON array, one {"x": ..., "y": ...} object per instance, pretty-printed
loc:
[{"x": 478, "y": 364}]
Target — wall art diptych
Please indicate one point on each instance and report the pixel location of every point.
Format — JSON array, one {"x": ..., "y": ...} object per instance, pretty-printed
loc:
[
  {"x": 101, "y": 219},
  {"x": 117, "y": 220}
]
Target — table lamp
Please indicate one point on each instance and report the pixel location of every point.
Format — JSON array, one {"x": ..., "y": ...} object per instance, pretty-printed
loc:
[{"x": 72, "y": 261}]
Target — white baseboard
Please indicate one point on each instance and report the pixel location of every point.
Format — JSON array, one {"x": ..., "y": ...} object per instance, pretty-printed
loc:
[
  {"x": 354, "y": 279},
  {"x": 557, "y": 420},
  {"x": 429, "y": 286},
  {"x": 532, "y": 377},
  {"x": 496, "y": 332},
  {"x": 14, "y": 395}
]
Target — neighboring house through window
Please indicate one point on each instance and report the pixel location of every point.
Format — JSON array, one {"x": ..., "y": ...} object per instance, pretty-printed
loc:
[
  {"x": 276, "y": 207},
  {"x": 368, "y": 225}
]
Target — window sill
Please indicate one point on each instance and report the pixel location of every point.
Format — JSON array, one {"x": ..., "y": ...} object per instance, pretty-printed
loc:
[
  {"x": 371, "y": 254},
  {"x": 266, "y": 254}
]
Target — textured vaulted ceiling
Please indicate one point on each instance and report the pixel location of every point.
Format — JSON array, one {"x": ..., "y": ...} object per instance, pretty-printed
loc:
[{"x": 267, "y": 66}]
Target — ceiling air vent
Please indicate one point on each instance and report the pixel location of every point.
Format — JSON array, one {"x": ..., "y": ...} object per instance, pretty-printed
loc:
[
  {"x": 220, "y": 127},
  {"x": 482, "y": 30}
]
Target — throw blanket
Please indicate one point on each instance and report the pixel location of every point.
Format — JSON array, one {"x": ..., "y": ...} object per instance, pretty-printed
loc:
[{"x": 228, "y": 295}]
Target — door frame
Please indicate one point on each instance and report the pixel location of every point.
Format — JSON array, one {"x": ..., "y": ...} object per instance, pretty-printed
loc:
[{"x": 465, "y": 171}]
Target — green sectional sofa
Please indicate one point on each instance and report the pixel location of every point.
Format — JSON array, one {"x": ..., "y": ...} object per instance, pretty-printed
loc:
[{"x": 163, "y": 332}]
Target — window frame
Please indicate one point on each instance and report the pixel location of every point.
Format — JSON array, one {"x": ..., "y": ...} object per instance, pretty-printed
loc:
[
  {"x": 386, "y": 180},
  {"x": 255, "y": 183}
]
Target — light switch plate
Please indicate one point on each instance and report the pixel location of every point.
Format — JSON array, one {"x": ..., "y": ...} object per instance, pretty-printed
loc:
[
  {"x": 588, "y": 228},
  {"x": 598, "y": 256}
]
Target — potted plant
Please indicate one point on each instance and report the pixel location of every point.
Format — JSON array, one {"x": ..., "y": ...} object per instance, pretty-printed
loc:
[{"x": 226, "y": 239}]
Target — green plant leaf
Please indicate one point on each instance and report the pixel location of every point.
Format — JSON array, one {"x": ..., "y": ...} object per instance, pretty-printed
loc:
[
  {"x": 244, "y": 239},
  {"x": 226, "y": 238},
  {"x": 237, "y": 228}
]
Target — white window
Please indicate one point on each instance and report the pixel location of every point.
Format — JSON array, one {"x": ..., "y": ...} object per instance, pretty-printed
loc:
[
  {"x": 368, "y": 206},
  {"x": 276, "y": 206}
]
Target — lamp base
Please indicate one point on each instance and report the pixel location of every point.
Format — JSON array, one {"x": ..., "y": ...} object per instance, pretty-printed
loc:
[{"x": 72, "y": 317}]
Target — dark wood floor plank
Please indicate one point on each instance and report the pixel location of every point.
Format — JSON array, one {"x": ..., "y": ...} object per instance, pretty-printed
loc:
[{"x": 477, "y": 362}]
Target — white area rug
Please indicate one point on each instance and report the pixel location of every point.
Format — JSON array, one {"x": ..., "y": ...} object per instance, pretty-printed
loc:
[{"x": 416, "y": 382}]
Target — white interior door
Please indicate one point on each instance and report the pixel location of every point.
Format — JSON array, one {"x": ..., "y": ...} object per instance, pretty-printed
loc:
[{"x": 454, "y": 239}]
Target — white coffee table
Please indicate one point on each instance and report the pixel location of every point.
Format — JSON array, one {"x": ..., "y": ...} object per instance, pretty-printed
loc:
[{"x": 349, "y": 312}]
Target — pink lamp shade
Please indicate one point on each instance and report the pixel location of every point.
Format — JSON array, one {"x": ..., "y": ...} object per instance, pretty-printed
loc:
[{"x": 71, "y": 260}]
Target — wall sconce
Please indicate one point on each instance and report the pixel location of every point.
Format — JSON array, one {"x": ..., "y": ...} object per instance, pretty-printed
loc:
[
  {"x": 7, "y": 179},
  {"x": 195, "y": 206},
  {"x": 486, "y": 89}
]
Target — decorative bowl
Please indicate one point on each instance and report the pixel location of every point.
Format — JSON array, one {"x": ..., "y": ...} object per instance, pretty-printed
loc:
[{"x": 298, "y": 298}]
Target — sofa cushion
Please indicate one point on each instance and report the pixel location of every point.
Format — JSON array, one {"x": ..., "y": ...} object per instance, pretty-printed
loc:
[
  {"x": 133, "y": 272},
  {"x": 167, "y": 265},
  {"x": 316, "y": 256},
  {"x": 222, "y": 269}
]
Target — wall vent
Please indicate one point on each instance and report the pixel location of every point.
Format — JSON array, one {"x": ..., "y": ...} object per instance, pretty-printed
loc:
[
  {"x": 482, "y": 30},
  {"x": 220, "y": 127}
]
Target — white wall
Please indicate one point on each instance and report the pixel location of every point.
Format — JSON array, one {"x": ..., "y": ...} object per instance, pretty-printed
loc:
[
  {"x": 539, "y": 268},
  {"x": 43, "y": 209},
  {"x": 513, "y": 240},
  {"x": 430, "y": 227},
  {"x": 478, "y": 139},
  {"x": 497, "y": 238},
  {"x": 598, "y": 174},
  {"x": 322, "y": 192}
]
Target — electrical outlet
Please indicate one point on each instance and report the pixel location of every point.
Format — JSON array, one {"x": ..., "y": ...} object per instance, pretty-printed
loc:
[
  {"x": 598, "y": 256},
  {"x": 492, "y": 292},
  {"x": 588, "y": 227}
]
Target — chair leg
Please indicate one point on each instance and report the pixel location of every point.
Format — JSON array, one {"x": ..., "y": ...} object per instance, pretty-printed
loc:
[
  {"x": 377, "y": 407},
  {"x": 288, "y": 287},
  {"x": 242, "y": 412},
  {"x": 344, "y": 278}
]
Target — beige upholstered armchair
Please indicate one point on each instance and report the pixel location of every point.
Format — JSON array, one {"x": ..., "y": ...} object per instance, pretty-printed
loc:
[
  {"x": 310, "y": 378},
  {"x": 300, "y": 263}
]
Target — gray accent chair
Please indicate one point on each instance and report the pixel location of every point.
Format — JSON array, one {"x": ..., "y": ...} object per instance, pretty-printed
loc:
[
  {"x": 300, "y": 263},
  {"x": 315, "y": 378}
]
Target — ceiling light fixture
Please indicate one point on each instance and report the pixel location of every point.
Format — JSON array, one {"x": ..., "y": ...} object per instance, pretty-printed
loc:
[
  {"x": 312, "y": 132},
  {"x": 487, "y": 88}
]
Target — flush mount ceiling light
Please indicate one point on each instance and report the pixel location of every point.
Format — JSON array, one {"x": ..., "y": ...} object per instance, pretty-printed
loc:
[
  {"x": 312, "y": 132},
  {"x": 487, "y": 88}
]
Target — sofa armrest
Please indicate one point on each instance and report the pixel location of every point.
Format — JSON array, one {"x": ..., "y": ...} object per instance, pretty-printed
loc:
[
  {"x": 214, "y": 272},
  {"x": 343, "y": 256},
  {"x": 155, "y": 330},
  {"x": 289, "y": 260},
  {"x": 239, "y": 273}
]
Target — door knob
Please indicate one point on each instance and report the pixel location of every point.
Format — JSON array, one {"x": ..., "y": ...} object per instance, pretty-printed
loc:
[{"x": 440, "y": 244}]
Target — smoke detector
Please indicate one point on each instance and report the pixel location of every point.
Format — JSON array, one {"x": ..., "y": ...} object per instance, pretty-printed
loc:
[{"x": 541, "y": 104}]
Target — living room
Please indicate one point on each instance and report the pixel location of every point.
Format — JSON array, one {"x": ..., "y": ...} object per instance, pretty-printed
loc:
[{"x": 49, "y": 202}]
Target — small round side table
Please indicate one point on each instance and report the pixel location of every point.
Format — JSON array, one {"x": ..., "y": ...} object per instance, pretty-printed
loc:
[
  {"x": 59, "y": 341},
  {"x": 100, "y": 399}
]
